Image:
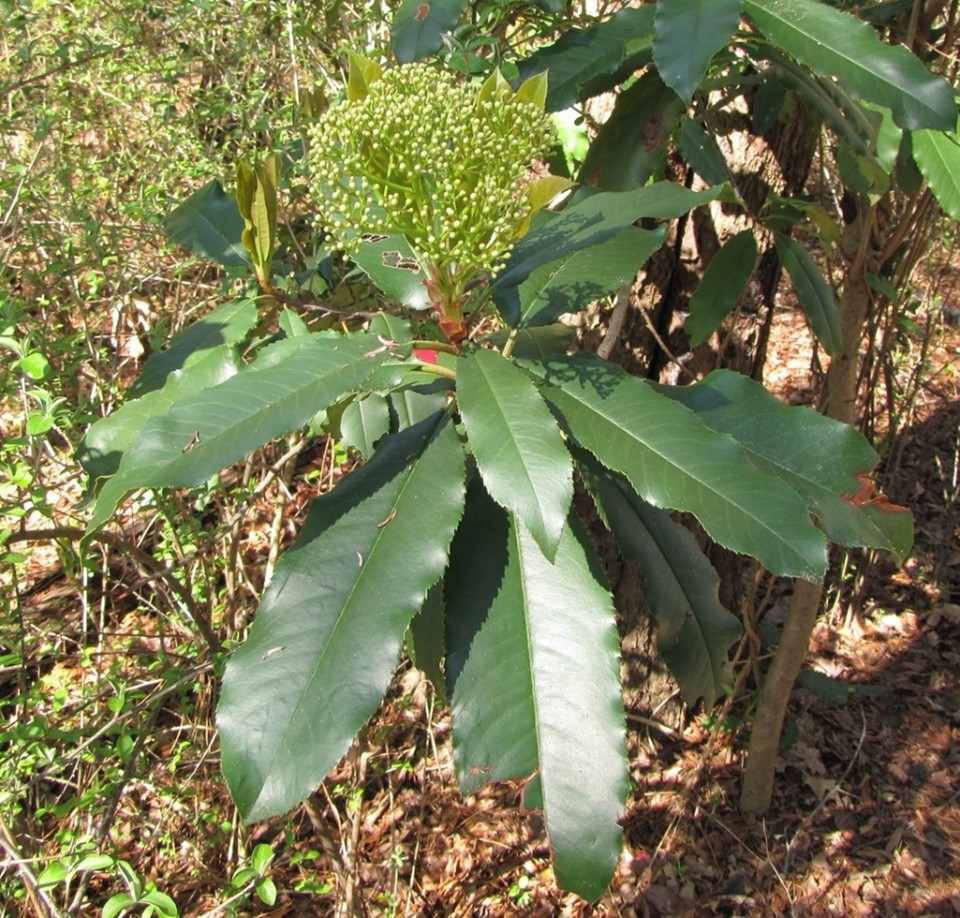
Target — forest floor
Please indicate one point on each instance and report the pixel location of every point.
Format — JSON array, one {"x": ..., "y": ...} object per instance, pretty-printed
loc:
[{"x": 865, "y": 818}]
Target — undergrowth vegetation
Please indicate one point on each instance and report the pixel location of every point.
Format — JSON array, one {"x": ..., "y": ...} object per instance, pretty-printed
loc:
[{"x": 226, "y": 301}]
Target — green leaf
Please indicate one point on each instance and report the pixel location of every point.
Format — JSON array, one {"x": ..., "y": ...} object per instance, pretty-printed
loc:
[
  {"x": 819, "y": 457},
  {"x": 392, "y": 265},
  {"x": 261, "y": 858},
  {"x": 701, "y": 151},
  {"x": 721, "y": 287},
  {"x": 364, "y": 422},
  {"x": 632, "y": 145},
  {"x": 594, "y": 220},
  {"x": 95, "y": 862},
  {"x": 419, "y": 27},
  {"x": 518, "y": 447},
  {"x": 425, "y": 639},
  {"x": 571, "y": 283},
  {"x": 585, "y": 62},
  {"x": 538, "y": 688},
  {"x": 209, "y": 224},
  {"x": 816, "y": 296},
  {"x": 687, "y": 34},
  {"x": 228, "y": 324},
  {"x": 328, "y": 633},
  {"x": 116, "y": 904},
  {"x": 208, "y": 430},
  {"x": 694, "y": 631},
  {"x": 53, "y": 875},
  {"x": 106, "y": 441},
  {"x": 674, "y": 461},
  {"x": 164, "y": 905},
  {"x": 363, "y": 73},
  {"x": 937, "y": 155},
  {"x": 836, "y": 44},
  {"x": 534, "y": 90}
]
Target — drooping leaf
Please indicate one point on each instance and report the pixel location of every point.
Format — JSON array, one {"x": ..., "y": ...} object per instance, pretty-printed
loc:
[
  {"x": 228, "y": 324},
  {"x": 721, "y": 287},
  {"x": 594, "y": 220},
  {"x": 937, "y": 155},
  {"x": 363, "y": 422},
  {"x": 687, "y": 34},
  {"x": 694, "y": 631},
  {"x": 837, "y": 44},
  {"x": 584, "y": 62},
  {"x": 538, "y": 691},
  {"x": 517, "y": 444},
  {"x": 819, "y": 457},
  {"x": 328, "y": 633},
  {"x": 107, "y": 440},
  {"x": 632, "y": 144},
  {"x": 674, "y": 461},
  {"x": 571, "y": 283},
  {"x": 209, "y": 224},
  {"x": 206, "y": 431},
  {"x": 816, "y": 296},
  {"x": 393, "y": 267},
  {"x": 425, "y": 639},
  {"x": 419, "y": 27}
]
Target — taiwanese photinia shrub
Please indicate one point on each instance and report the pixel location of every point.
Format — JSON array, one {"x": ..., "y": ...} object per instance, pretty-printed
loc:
[{"x": 456, "y": 537}]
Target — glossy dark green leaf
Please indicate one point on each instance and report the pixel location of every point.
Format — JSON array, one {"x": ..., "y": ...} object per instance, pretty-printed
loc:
[
  {"x": 674, "y": 461},
  {"x": 836, "y": 44},
  {"x": 694, "y": 631},
  {"x": 596, "y": 219},
  {"x": 701, "y": 151},
  {"x": 571, "y": 283},
  {"x": 392, "y": 266},
  {"x": 721, "y": 286},
  {"x": 228, "y": 324},
  {"x": 817, "y": 456},
  {"x": 425, "y": 639},
  {"x": 208, "y": 430},
  {"x": 209, "y": 224},
  {"x": 363, "y": 422},
  {"x": 631, "y": 147},
  {"x": 816, "y": 296},
  {"x": 687, "y": 34},
  {"x": 517, "y": 444},
  {"x": 538, "y": 690},
  {"x": 327, "y": 636},
  {"x": 585, "y": 62},
  {"x": 419, "y": 27},
  {"x": 937, "y": 155}
]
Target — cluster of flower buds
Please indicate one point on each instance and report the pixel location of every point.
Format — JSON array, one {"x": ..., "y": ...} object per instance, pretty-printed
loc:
[{"x": 447, "y": 165}]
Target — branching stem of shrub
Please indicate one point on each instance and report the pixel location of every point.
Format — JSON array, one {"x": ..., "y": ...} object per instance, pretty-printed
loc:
[{"x": 145, "y": 559}]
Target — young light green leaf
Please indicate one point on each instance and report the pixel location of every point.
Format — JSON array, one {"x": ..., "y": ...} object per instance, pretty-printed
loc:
[
  {"x": 687, "y": 34},
  {"x": 674, "y": 461},
  {"x": 363, "y": 73},
  {"x": 694, "y": 631},
  {"x": 833, "y": 43},
  {"x": 327, "y": 636},
  {"x": 815, "y": 295},
  {"x": 534, "y": 90},
  {"x": 518, "y": 447},
  {"x": 721, "y": 287},
  {"x": 537, "y": 687}
]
